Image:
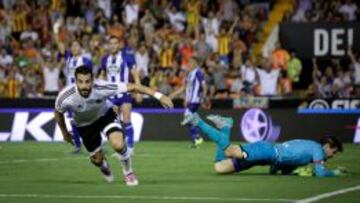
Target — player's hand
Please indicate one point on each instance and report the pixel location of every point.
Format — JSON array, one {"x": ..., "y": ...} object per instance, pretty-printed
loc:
[
  {"x": 138, "y": 98},
  {"x": 341, "y": 171},
  {"x": 166, "y": 102}
]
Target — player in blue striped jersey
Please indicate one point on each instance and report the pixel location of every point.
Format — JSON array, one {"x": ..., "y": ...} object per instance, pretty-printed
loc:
[
  {"x": 119, "y": 66},
  {"x": 72, "y": 60},
  {"x": 285, "y": 157},
  {"x": 195, "y": 92}
]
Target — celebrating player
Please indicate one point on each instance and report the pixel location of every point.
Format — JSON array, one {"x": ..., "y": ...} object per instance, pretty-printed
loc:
[
  {"x": 94, "y": 116},
  {"x": 116, "y": 67},
  {"x": 196, "y": 88},
  {"x": 284, "y": 157}
]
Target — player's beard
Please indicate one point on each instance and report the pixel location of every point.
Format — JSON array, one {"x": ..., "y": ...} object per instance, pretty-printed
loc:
[{"x": 85, "y": 92}]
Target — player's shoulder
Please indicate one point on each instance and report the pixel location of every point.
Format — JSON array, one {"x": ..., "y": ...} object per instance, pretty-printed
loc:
[
  {"x": 71, "y": 89},
  {"x": 105, "y": 57},
  {"x": 67, "y": 54},
  {"x": 66, "y": 93}
]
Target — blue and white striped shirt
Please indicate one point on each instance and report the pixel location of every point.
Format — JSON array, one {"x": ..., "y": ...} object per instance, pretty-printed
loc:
[
  {"x": 194, "y": 79},
  {"x": 71, "y": 64},
  {"x": 117, "y": 67}
]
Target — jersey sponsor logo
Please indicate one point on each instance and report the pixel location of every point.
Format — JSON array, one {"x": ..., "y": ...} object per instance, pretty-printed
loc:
[
  {"x": 256, "y": 125},
  {"x": 42, "y": 126}
]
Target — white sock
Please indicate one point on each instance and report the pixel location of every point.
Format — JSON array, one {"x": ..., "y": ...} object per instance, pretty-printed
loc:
[
  {"x": 104, "y": 164},
  {"x": 125, "y": 160}
]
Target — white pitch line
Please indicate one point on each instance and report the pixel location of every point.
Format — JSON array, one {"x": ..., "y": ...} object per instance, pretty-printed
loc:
[
  {"x": 19, "y": 161},
  {"x": 141, "y": 197},
  {"x": 328, "y": 194}
]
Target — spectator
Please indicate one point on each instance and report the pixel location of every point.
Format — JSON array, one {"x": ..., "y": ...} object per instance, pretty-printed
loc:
[
  {"x": 219, "y": 73},
  {"x": 166, "y": 55},
  {"x": 239, "y": 48},
  {"x": 192, "y": 8},
  {"x": 202, "y": 49},
  {"x": 105, "y": 5},
  {"x": 142, "y": 60},
  {"x": 176, "y": 18},
  {"x": 5, "y": 58},
  {"x": 356, "y": 66},
  {"x": 280, "y": 57},
  {"x": 268, "y": 79},
  {"x": 341, "y": 84},
  {"x": 211, "y": 26},
  {"x": 237, "y": 86},
  {"x": 51, "y": 74},
  {"x": 348, "y": 9},
  {"x": 132, "y": 9},
  {"x": 224, "y": 38},
  {"x": 285, "y": 84},
  {"x": 186, "y": 52},
  {"x": 294, "y": 68},
  {"x": 248, "y": 73},
  {"x": 19, "y": 19},
  {"x": 13, "y": 82},
  {"x": 29, "y": 34}
]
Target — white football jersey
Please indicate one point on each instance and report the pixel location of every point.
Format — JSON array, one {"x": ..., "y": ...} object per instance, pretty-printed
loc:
[{"x": 88, "y": 110}]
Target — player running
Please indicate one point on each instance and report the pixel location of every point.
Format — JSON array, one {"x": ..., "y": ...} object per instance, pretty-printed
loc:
[
  {"x": 94, "y": 116},
  {"x": 195, "y": 91},
  {"x": 119, "y": 66},
  {"x": 284, "y": 157}
]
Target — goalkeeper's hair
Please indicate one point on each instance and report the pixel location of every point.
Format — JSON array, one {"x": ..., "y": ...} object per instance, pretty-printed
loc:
[{"x": 333, "y": 142}]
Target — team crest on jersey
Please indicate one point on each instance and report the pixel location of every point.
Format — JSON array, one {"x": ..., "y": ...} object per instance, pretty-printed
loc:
[{"x": 114, "y": 68}]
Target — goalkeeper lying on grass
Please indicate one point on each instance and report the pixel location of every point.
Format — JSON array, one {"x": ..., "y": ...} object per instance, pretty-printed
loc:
[{"x": 283, "y": 157}]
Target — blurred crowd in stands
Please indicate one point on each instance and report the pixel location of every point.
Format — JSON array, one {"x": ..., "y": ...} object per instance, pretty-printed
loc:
[{"x": 163, "y": 35}]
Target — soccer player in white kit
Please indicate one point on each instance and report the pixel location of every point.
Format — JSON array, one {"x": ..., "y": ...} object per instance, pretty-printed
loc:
[{"x": 93, "y": 116}]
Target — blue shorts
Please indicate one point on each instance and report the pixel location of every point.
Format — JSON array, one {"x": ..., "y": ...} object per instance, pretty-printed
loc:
[
  {"x": 258, "y": 153},
  {"x": 119, "y": 100},
  {"x": 193, "y": 107}
]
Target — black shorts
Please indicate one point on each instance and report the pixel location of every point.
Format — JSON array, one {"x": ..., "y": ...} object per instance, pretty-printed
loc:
[{"x": 91, "y": 134}]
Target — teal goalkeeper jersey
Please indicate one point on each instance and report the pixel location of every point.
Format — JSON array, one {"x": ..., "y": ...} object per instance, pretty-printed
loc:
[{"x": 302, "y": 152}]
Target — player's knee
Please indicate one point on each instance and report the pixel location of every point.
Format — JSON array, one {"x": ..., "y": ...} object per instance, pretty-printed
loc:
[
  {"x": 219, "y": 168},
  {"x": 234, "y": 151},
  {"x": 118, "y": 146}
]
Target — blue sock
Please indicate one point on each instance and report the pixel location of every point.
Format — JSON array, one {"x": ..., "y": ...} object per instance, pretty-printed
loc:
[
  {"x": 194, "y": 132},
  {"x": 215, "y": 135},
  {"x": 129, "y": 133},
  {"x": 76, "y": 136}
]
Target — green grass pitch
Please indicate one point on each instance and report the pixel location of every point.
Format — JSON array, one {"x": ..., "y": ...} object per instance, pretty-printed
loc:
[{"x": 167, "y": 171}]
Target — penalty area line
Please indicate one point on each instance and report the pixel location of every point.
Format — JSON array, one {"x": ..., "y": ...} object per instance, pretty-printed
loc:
[
  {"x": 328, "y": 194},
  {"x": 50, "y": 196}
]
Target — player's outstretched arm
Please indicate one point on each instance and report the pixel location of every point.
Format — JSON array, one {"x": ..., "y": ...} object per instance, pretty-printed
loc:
[
  {"x": 164, "y": 100},
  {"x": 59, "y": 117},
  {"x": 177, "y": 92}
]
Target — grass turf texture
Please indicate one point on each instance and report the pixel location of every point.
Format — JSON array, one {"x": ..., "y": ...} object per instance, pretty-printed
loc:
[{"x": 167, "y": 171}]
